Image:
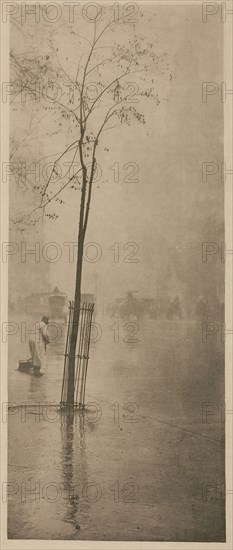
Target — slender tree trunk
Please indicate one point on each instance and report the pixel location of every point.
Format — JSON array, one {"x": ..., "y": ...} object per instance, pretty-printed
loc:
[
  {"x": 75, "y": 325},
  {"x": 83, "y": 219},
  {"x": 77, "y": 298}
]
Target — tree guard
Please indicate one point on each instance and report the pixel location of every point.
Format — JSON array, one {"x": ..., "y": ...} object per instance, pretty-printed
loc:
[{"x": 74, "y": 383}]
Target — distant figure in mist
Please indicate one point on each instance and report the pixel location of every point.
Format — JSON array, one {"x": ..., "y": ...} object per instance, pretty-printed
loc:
[{"x": 38, "y": 346}]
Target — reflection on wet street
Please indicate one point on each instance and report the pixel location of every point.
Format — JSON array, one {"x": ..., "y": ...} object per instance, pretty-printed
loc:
[{"x": 133, "y": 466}]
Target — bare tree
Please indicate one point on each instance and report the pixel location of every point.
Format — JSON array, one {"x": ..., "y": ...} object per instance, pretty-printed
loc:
[{"x": 99, "y": 81}]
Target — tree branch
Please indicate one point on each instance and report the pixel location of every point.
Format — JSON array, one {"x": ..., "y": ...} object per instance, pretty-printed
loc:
[
  {"x": 68, "y": 76},
  {"x": 42, "y": 207},
  {"x": 26, "y": 86},
  {"x": 69, "y": 148}
]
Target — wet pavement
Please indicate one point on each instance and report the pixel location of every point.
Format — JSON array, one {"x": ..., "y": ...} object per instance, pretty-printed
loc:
[{"x": 145, "y": 461}]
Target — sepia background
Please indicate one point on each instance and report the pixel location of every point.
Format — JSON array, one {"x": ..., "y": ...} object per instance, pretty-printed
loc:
[{"x": 150, "y": 464}]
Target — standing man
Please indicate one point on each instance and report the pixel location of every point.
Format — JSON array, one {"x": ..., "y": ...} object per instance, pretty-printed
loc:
[{"x": 38, "y": 347}]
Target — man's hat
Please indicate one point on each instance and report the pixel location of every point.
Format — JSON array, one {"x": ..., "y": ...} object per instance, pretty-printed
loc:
[{"x": 45, "y": 319}]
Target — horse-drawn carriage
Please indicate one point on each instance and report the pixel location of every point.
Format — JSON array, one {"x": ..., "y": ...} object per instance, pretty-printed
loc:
[
  {"x": 130, "y": 307},
  {"x": 161, "y": 307}
]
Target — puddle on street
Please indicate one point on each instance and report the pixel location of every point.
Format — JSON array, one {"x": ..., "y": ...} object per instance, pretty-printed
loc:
[{"x": 132, "y": 466}]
